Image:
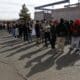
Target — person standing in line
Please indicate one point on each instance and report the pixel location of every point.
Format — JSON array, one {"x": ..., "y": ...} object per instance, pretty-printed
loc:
[
  {"x": 25, "y": 32},
  {"x": 47, "y": 34},
  {"x": 20, "y": 25},
  {"x": 69, "y": 28},
  {"x": 29, "y": 28},
  {"x": 42, "y": 31},
  {"x": 62, "y": 33},
  {"x": 37, "y": 30},
  {"x": 16, "y": 30},
  {"x": 33, "y": 34},
  {"x": 13, "y": 30},
  {"x": 75, "y": 42},
  {"x": 66, "y": 23},
  {"x": 53, "y": 25},
  {"x": 8, "y": 28}
]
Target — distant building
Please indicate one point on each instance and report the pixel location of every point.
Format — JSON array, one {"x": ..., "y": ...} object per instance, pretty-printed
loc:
[
  {"x": 69, "y": 12},
  {"x": 42, "y": 15}
]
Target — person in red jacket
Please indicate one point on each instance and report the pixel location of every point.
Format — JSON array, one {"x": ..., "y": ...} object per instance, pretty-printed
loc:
[{"x": 75, "y": 31}]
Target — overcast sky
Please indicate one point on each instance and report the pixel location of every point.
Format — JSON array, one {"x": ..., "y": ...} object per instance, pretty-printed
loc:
[{"x": 9, "y": 9}]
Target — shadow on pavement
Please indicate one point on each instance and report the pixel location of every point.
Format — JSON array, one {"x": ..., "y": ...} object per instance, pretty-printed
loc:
[
  {"x": 18, "y": 46},
  {"x": 37, "y": 59},
  {"x": 15, "y": 43},
  {"x": 8, "y": 36},
  {"x": 28, "y": 55},
  {"x": 21, "y": 50},
  {"x": 9, "y": 42},
  {"x": 67, "y": 60},
  {"x": 42, "y": 66},
  {"x": 12, "y": 44}
]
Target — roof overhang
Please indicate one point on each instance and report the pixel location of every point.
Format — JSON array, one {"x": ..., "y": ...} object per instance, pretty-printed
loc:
[{"x": 52, "y": 4}]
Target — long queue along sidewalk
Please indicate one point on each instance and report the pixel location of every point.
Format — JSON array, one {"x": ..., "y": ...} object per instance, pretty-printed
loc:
[{"x": 36, "y": 63}]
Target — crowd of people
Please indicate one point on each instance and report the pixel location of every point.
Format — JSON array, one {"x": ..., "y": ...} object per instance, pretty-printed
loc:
[
  {"x": 55, "y": 33},
  {"x": 20, "y": 30},
  {"x": 2, "y": 26}
]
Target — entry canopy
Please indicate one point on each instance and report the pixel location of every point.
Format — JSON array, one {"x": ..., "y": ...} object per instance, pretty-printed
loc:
[{"x": 52, "y": 4}]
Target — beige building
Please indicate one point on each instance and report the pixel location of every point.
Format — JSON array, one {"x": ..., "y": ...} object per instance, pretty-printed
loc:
[
  {"x": 69, "y": 13},
  {"x": 43, "y": 15}
]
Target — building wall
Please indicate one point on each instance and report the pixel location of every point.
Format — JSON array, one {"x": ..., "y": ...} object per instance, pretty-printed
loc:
[
  {"x": 67, "y": 13},
  {"x": 39, "y": 15}
]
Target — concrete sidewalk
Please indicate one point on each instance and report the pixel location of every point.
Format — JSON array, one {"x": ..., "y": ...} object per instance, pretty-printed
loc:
[
  {"x": 20, "y": 60},
  {"x": 8, "y": 73}
]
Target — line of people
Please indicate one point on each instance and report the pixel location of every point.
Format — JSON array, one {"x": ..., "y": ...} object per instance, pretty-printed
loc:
[
  {"x": 59, "y": 33},
  {"x": 54, "y": 32},
  {"x": 21, "y": 30}
]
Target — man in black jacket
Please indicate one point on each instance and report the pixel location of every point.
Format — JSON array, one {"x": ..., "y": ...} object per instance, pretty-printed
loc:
[
  {"x": 25, "y": 32},
  {"x": 53, "y": 33},
  {"x": 62, "y": 32},
  {"x": 38, "y": 33}
]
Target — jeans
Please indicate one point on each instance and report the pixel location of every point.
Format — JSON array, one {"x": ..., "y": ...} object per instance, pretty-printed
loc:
[
  {"x": 29, "y": 37},
  {"x": 75, "y": 42}
]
